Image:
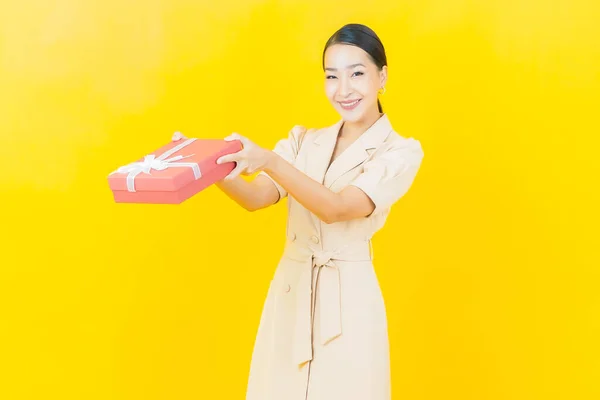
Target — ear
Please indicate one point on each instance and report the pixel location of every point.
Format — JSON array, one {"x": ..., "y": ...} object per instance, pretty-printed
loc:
[{"x": 383, "y": 75}]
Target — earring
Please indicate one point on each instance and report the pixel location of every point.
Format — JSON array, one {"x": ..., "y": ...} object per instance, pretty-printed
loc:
[{"x": 383, "y": 88}]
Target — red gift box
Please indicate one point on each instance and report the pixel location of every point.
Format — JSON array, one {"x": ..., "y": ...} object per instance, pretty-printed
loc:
[{"x": 174, "y": 172}]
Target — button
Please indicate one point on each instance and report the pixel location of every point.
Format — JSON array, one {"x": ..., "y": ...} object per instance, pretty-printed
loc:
[
  {"x": 288, "y": 288},
  {"x": 292, "y": 236},
  {"x": 314, "y": 239}
]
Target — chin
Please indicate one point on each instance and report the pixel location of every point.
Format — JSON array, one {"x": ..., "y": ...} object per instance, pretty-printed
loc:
[{"x": 351, "y": 116}]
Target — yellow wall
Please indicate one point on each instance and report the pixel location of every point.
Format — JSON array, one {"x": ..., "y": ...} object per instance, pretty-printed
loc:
[{"x": 487, "y": 265}]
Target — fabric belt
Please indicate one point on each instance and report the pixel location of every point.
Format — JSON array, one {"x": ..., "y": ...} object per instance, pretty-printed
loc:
[{"x": 327, "y": 284}]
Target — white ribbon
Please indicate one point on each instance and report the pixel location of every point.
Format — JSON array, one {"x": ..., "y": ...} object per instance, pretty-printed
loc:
[{"x": 162, "y": 162}]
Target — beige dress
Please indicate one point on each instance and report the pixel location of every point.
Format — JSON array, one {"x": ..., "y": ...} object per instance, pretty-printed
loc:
[{"x": 323, "y": 330}]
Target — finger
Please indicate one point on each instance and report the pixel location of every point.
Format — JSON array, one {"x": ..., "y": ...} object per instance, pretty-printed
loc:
[
  {"x": 177, "y": 136},
  {"x": 233, "y": 136},
  {"x": 245, "y": 141},
  {"x": 236, "y": 136},
  {"x": 236, "y": 171},
  {"x": 233, "y": 157}
]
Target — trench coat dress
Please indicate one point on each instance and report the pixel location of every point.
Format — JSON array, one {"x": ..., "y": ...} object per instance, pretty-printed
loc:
[{"x": 323, "y": 330}]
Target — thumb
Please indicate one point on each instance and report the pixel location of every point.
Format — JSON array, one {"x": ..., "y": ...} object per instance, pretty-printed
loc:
[
  {"x": 233, "y": 136},
  {"x": 177, "y": 136},
  {"x": 236, "y": 136}
]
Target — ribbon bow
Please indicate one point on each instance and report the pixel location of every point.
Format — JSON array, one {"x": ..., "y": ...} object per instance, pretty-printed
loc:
[{"x": 160, "y": 163}]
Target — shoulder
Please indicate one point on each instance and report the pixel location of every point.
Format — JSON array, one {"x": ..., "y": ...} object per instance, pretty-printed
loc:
[
  {"x": 316, "y": 133},
  {"x": 400, "y": 148},
  {"x": 397, "y": 141},
  {"x": 394, "y": 157},
  {"x": 300, "y": 132}
]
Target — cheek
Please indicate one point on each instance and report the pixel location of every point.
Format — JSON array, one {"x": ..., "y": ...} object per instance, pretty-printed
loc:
[
  {"x": 367, "y": 88},
  {"x": 330, "y": 88}
]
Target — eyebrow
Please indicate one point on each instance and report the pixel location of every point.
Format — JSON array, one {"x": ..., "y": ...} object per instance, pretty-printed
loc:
[{"x": 348, "y": 67}]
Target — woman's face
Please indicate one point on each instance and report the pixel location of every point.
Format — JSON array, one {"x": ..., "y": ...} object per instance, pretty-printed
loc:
[{"x": 352, "y": 82}]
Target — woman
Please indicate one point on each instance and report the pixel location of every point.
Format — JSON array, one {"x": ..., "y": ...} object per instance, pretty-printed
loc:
[{"x": 323, "y": 331}]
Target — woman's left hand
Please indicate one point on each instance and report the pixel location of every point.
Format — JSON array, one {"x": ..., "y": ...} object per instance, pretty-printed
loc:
[{"x": 252, "y": 158}]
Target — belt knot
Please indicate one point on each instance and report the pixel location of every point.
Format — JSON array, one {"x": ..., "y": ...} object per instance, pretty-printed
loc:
[{"x": 323, "y": 257}]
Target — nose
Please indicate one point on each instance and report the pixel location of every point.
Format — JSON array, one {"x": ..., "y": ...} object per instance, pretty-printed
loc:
[{"x": 344, "y": 88}]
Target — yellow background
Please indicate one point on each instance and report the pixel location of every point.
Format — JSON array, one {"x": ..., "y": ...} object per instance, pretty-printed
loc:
[{"x": 489, "y": 266}]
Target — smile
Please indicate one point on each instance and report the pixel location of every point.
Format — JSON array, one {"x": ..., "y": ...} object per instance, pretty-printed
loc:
[{"x": 349, "y": 105}]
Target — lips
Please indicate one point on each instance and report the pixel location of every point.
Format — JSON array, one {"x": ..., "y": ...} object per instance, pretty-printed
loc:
[{"x": 350, "y": 104}]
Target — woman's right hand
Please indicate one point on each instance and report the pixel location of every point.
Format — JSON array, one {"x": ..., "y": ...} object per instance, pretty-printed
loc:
[{"x": 177, "y": 136}]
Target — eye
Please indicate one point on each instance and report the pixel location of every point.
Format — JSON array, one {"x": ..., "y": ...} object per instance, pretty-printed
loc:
[
  {"x": 357, "y": 73},
  {"x": 329, "y": 77}
]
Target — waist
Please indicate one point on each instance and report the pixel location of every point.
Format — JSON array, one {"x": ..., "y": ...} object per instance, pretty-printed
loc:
[{"x": 358, "y": 250}]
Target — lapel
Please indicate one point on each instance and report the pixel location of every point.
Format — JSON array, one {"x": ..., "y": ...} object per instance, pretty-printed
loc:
[
  {"x": 354, "y": 155},
  {"x": 318, "y": 157}
]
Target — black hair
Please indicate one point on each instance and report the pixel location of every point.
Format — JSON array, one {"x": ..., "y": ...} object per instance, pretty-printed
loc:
[{"x": 363, "y": 37}]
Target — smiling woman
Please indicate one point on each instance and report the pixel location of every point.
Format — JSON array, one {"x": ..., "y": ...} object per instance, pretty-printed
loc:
[
  {"x": 323, "y": 332},
  {"x": 364, "y": 78},
  {"x": 489, "y": 266}
]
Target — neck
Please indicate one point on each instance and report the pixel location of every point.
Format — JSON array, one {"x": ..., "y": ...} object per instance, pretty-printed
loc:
[{"x": 352, "y": 130}]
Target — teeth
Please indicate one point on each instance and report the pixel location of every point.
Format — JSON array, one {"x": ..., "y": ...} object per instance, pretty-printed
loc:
[{"x": 350, "y": 104}]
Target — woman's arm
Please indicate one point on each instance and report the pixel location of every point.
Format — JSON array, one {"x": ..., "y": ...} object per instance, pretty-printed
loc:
[
  {"x": 327, "y": 205},
  {"x": 384, "y": 181},
  {"x": 251, "y": 195}
]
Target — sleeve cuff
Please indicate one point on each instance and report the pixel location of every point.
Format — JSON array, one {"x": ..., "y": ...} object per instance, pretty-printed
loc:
[
  {"x": 282, "y": 192},
  {"x": 368, "y": 188}
]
